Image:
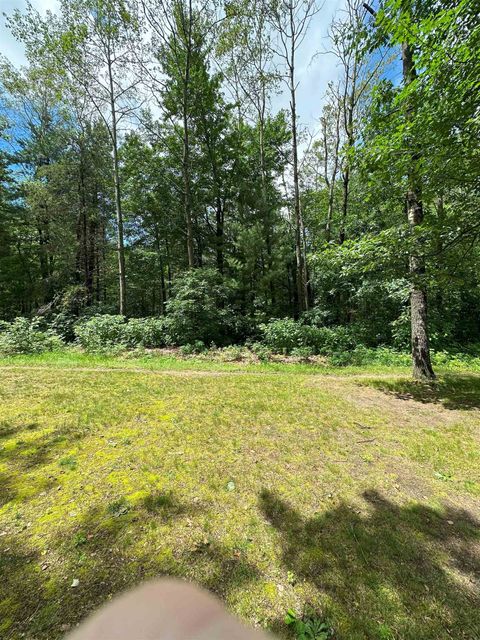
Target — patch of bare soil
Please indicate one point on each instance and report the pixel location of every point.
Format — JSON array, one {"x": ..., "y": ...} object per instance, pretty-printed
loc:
[{"x": 405, "y": 411}]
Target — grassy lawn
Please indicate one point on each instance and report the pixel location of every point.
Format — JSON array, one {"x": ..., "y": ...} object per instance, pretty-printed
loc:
[{"x": 355, "y": 491}]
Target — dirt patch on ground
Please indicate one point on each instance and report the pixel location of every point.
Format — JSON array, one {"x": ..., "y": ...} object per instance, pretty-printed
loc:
[{"x": 405, "y": 411}]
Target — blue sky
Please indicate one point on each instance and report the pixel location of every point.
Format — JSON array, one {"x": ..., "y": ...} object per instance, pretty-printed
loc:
[{"x": 313, "y": 75}]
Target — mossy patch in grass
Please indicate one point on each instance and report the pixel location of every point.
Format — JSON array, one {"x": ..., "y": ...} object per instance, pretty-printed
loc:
[{"x": 271, "y": 488}]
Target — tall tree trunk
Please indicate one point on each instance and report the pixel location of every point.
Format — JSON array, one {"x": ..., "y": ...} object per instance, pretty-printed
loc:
[
  {"x": 219, "y": 234},
  {"x": 346, "y": 192},
  {"x": 92, "y": 235},
  {"x": 187, "y": 200},
  {"x": 422, "y": 366},
  {"x": 302, "y": 289},
  {"x": 118, "y": 201},
  {"x": 349, "y": 108},
  {"x": 162, "y": 275}
]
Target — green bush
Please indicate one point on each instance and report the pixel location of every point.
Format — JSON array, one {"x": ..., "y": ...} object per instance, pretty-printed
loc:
[
  {"x": 288, "y": 335},
  {"x": 25, "y": 336},
  {"x": 362, "y": 356},
  {"x": 102, "y": 333},
  {"x": 282, "y": 336},
  {"x": 329, "y": 340},
  {"x": 201, "y": 310},
  {"x": 108, "y": 333},
  {"x": 303, "y": 352},
  {"x": 63, "y": 324},
  {"x": 192, "y": 349},
  {"x": 262, "y": 352},
  {"x": 146, "y": 332}
]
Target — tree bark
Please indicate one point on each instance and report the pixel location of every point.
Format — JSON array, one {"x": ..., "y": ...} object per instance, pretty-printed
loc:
[
  {"x": 422, "y": 366},
  {"x": 349, "y": 108},
  {"x": 302, "y": 288},
  {"x": 117, "y": 190},
  {"x": 187, "y": 200}
]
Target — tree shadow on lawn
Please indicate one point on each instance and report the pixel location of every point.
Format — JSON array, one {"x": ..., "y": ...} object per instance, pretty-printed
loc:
[
  {"x": 27, "y": 454},
  {"x": 101, "y": 551},
  {"x": 20, "y": 584},
  {"x": 407, "y": 572},
  {"x": 452, "y": 391}
]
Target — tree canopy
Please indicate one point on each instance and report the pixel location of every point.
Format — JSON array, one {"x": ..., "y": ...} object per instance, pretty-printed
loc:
[{"x": 140, "y": 144}]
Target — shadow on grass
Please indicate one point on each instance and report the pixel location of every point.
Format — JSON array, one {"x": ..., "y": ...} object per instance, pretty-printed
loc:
[
  {"x": 397, "y": 573},
  {"x": 452, "y": 391},
  {"x": 7, "y": 491},
  {"x": 26, "y": 454},
  {"x": 109, "y": 550},
  {"x": 20, "y": 586}
]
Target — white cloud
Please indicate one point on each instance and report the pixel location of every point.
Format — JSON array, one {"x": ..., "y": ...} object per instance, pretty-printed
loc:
[{"x": 314, "y": 72}]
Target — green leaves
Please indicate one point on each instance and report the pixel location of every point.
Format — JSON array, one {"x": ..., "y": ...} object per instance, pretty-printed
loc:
[{"x": 309, "y": 626}]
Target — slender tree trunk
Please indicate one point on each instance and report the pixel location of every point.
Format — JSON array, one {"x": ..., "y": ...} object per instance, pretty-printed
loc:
[
  {"x": 267, "y": 225},
  {"x": 349, "y": 112},
  {"x": 187, "y": 200},
  {"x": 92, "y": 234},
  {"x": 302, "y": 289},
  {"x": 118, "y": 201},
  {"x": 219, "y": 235},
  {"x": 346, "y": 192},
  {"x": 162, "y": 276},
  {"x": 422, "y": 366}
]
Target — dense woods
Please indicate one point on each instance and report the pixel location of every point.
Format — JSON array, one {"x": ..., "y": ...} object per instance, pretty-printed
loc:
[{"x": 145, "y": 172}]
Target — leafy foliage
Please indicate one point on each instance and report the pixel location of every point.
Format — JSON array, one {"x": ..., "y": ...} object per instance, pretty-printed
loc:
[
  {"x": 201, "y": 309},
  {"x": 26, "y": 336},
  {"x": 107, "y": 333},
  {"x": 308, "y": 626},
  {"x": 291, "y": 336},
  {"x": 205, "y": 179}
]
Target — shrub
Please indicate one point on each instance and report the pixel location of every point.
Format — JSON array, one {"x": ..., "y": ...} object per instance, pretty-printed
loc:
[
  {"x": 303, "y": 352},
  {"x": 262, "y": 352},
  {"x": 63, "y": 324},
  {"x": 284, "y": 335},
  {"x": 191, "y": 349},
  {"x": 288, "y": 335},
  {"x": 4, "y": 326},
  {"x": 145, "y": 332},
  {"x": 233, "y": 353},
  {"x": 102, "y": 333},
  {"x": 25, "y": 336},
  {"x": 64, "y": 311},
  {"x": 201, "y": 310},
  {"x": 362, "y": 356},
  {"x": 329, "y": 340},
  {"x": 114, "y": 333}
]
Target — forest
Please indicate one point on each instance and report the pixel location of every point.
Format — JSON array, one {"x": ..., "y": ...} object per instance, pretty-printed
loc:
[
  {"x": 147, "y": 172},
  {"x": 240, "y": 319}
]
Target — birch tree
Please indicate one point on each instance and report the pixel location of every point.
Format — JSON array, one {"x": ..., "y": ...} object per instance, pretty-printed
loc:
[{"x": 290, "y": 20}]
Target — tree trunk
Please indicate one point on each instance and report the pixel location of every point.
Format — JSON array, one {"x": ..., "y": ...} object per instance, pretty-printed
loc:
[
  {"x": 346, "y": 192},
  {"x": 187, "y": 203},
  {"x": 118, "y": 201},
  {"x": 349, "y": 112},
  {"x": 422, "y": 366},
  {"x": 187, "y": 200},
  {"x": 219, "y": 235},
  {"x": 302, "y": 289}
]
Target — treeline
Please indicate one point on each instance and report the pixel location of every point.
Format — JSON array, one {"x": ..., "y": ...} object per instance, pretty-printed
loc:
[{"x": 141, "y": 157}]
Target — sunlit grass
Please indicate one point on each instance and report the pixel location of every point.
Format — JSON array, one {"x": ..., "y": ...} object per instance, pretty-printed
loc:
[{"x": 272, "y": 485}]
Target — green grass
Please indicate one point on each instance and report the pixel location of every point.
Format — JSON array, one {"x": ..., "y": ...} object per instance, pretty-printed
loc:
[{"x": 353, "y": 491}]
